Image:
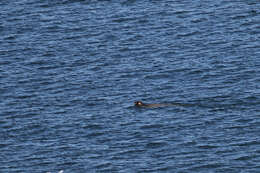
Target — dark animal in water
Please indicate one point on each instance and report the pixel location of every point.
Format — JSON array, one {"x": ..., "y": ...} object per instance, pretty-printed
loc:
[{"x": 141, "y": 104}]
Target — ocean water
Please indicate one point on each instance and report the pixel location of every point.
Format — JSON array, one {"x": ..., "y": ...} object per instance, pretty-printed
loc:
[{"x": 70, "y": 71}]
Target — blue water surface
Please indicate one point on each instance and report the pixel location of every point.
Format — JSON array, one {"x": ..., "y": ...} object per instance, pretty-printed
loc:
[{"x": 70, "y": 71}]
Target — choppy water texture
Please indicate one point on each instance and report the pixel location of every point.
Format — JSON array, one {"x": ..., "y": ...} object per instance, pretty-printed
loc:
[{"x": 70, "y": 72}]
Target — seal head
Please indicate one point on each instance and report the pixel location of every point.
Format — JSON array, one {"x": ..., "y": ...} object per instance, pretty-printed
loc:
[{"x": 139, "y": 103}]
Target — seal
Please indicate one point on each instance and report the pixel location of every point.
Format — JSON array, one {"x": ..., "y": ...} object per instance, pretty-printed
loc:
[{"x": 141, "y": 104}]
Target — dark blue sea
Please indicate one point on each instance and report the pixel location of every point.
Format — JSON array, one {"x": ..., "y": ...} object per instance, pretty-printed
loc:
[{"x": 71, "y": 70}]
